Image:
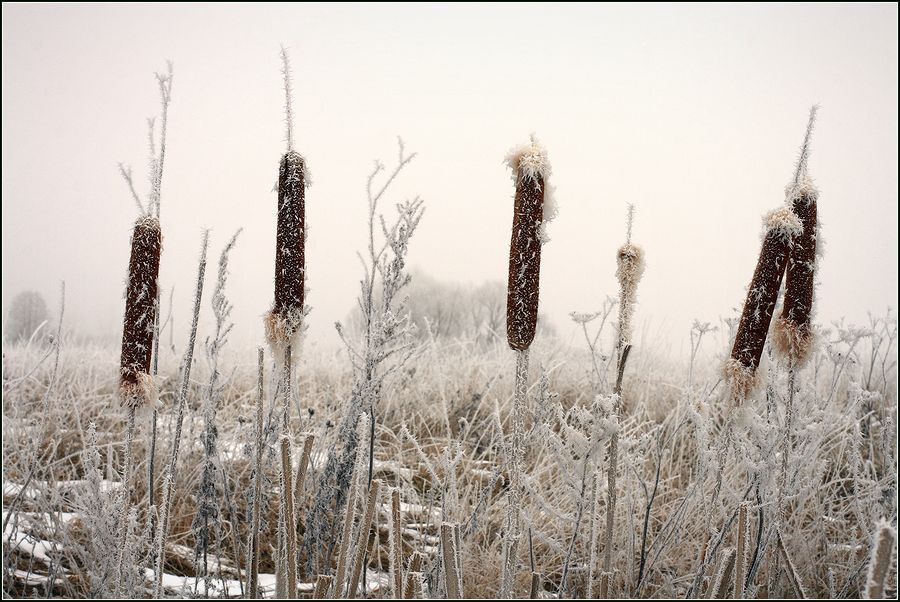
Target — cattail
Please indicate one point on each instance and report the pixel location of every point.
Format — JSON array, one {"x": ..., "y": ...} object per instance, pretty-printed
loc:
[
  {"x": 284, "y": 320},
  {"x": 880, "y": 561},
  {"x": 534, "y": 207},
  {"x": 781, "y": 227},
  {"x": 629, "y": 269},
  {"x": 135, "y": 383},
  {"x": 792, "y": 336}
]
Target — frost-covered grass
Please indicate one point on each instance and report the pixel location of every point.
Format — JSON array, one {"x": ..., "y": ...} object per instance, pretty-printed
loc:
[{"x": 687, "y": 462}]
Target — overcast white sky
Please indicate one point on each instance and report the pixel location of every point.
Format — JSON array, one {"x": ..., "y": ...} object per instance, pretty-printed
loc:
[{"x": 693, "y": 113}]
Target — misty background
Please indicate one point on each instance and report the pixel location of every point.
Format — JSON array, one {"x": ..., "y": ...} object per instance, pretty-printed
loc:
[{"x": 693, "y": 113}]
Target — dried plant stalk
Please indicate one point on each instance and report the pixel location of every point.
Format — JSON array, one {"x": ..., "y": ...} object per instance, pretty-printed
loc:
[
  {"x": 880, "y": 560},
  {"x": 535, "y": 591},
  {"x": 793, "y": 576},
  {"x": 323, "y": 583},
  {"x": 416, "y": 590},
  {"x": 719, "y": 589},
  {"x": 363, "y": 539},
  {"x": 253, "y": 548},
  {"x": 415, "y": 566},
  {"x": 740, "y": 563},
  {"x": 290, "y": 525},
  {"x": 782, "y": 226},
  {"x": 136, "y": 386},
  {"x": 396, "y": 544},
  {"x": 452, "y": 578}
]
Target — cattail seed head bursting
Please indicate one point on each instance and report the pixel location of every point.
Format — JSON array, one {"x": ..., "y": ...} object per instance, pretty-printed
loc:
[
  {"x": 782, "y": 226},
  {"x": 136, "y": 386},
  {"x": 284, "y": 320},
  {"x": 534, "y": 207},
  {"x": 629, "y": 269},
  {"x": 793, "y": 335}
]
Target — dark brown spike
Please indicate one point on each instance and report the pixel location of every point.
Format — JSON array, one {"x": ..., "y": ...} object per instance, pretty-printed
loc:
[
  {"x": 782, "y": 226},
  {"x": 524, "y": 262},
  {"x": 793, "y": 334},
  {"x": 135, "y": 384},
  {"x": 290, "y": 264}
]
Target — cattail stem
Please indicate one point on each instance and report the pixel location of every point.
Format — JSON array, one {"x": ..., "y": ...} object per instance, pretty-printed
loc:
[
  {"x": 787, "y": 445},
  {"x": 290, "y": 526},
  {"x": 740, "y": 563},
  {"x": 515, "y": 491},
  {"x": 880, "y": 560},
  {"x": 452, "y": 578},
  {"x": 396, "y": 544},
  {"x": 415, "y": 566},
  {"x": 125, "y": 504},
  {"x": 719, "y": 588},
  {"x": 323, "y": 584},
  {"x": 169, "y": 481},
  {"x": 253, "y": 547},
  {"x": 363, "y": 540}
]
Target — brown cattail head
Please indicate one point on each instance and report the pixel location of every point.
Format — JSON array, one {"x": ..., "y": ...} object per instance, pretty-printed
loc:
[
  {"x": 284, "y": 321},
  {"x": 135, "y": 383},
  {"x": 781, "y": 228},
  {"x": 534, "y": 207},
  {"x": 793, "y": 335}
]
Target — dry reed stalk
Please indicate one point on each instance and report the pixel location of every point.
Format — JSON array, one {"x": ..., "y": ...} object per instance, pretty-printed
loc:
[
  {"x": 136, "y": 387},
  {"x": 396, "y": 544},
  {"x": 181, "y": 402},
  {"x": 416, "y": 589},
  {"x": 355, "y": 478},
  {"x": 253, "y": 547},
  {"x": 323, "y": 584},
  {"x": 880, "y": 560},
  {"x": 719, "y": 588},
  {"x": 592, "y": 546},
  {"x": 740, "y": 564},
  {"x": 450, "y": 558},
  {"x": 362, "y": 542},
  {"x": 290, "y": 525},
  {"x": 793, "y": 576},
  {"x": 303, "y": 466},
  {"x": 415, "y": 565},
  {"x": 535, "y": 591},
  {"x": 782, "y": 226},
  {"x": 604, "y": 584}
]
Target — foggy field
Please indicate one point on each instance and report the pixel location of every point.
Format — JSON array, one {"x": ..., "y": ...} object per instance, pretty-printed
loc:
[{"x": 615, "y": 318}]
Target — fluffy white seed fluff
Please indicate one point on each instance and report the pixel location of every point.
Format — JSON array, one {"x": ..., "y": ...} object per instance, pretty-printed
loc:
[
  {"x": 783, "y": 222},
  {"x": 528, "y": 161},
  {"x": 630, "y": 268},
  {"x": 805, "y": 187}
]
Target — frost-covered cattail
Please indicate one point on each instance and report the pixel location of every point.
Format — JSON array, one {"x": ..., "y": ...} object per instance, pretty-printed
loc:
[
  {"x": 284, "y": 320},
  {"x": 629, "y": 269},
  {"x": 534, "y": 207},
  {"x": 781, "y": 227},
  {"x": 793, "y": 335},
  {"x": 135, "y": 383}
]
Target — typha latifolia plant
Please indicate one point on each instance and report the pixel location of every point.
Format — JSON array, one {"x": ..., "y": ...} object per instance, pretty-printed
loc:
[
  {"x": 629, "y": 270},
  {"x": 533, "y": 208},
  {"x": 139, "y": 329}
]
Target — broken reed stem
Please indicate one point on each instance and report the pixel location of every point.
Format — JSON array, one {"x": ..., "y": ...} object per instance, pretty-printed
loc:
[
  {"x": 781, "y": 228},
  {"x": 416, "y": 589},
  {"x": 346, "y": 533},
  {"x": 396, "y": 544},
  {"x": 181, "y": 402},
  {"x": 740, "y": 563},
  {"x": 363, "y": 539},
  {"x": 290, "y": 525},
  {"x": 136, "y": 386},
  {"x": 880, "y": 560},
  {"x": 415, "y": 565},
  {"x": 323, "y": 584},
  {"x": 535, "y": 591},
  {"x": 793, "y": 576},
  {"x": 452, "y": 577},
  {"x": 303, "y": 466},
  {"x": 719, "y": 588},
  {"x": 253, "y": 547}
]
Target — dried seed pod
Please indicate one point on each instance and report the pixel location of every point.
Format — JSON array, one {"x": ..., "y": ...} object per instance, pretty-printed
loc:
[
  {"x": 284, "y": 320},
  {"x": 782, "y": 226},
  {"x": 534, "y": 207},
  {"x": 135, "y": 383},
  {"x": 793, "y": 336}
]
